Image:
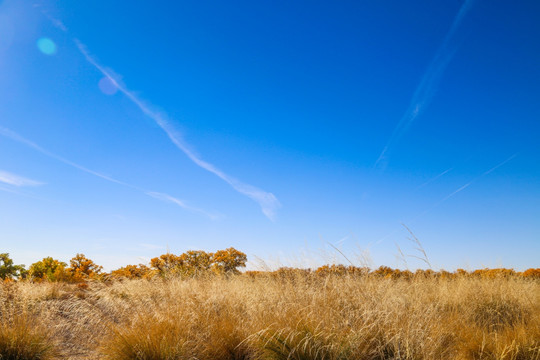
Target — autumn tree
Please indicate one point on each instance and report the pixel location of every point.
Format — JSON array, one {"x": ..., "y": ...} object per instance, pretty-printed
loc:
[
  {"x": 531, "y": 273},
  {"x": 228, "y": 261},
  {"x": 166, "y": 263},
  {"x": 132, "y": 272},
  {"x": 48, "y": 269},
  {"x": 189, "y": 263},
  {"x": 8, "y": 271},
  {"x": 82, "y": 268},
  {"x": 195, "y": 262},
  {"x": 384, "y": 271}
]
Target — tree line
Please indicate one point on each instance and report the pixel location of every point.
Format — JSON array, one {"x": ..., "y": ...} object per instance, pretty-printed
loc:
[
  {"x": 222, "y": 262},
  {"x": 80, "y": 268}
]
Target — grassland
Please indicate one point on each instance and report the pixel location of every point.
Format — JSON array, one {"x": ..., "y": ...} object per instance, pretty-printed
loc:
[{"x": 284, "y": 315}]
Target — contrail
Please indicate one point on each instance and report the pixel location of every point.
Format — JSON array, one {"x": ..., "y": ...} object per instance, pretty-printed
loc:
[
  {"x": 427, "y": 87},
  {"x": 164, "y": 197},
  {"x": 17, "y": 180},
  {"x": 169, "y": 198},
  {"x": 434, "y": 178},
  {"x": 14, "y": 136},
  {"x": 453, "y": 193},
  {"x": 463, "y": 187},
  {"x": 267, "y": 201},
  {"x": 12, "y": 191}
]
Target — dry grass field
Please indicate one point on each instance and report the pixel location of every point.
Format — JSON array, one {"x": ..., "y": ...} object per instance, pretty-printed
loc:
[{"x": 283, "y": 315}]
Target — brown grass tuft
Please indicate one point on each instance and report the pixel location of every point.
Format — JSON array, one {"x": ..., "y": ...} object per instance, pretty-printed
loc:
[
  {"x": 22, "y": 338},
  {"x": 296, "y": 315}
]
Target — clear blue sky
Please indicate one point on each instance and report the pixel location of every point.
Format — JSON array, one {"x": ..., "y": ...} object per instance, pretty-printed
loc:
[{"x": 281, "y": 128}]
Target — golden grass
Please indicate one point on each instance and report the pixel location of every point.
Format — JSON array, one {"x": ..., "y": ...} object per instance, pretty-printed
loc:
[
  {"x": 22, "y": 337},
  {"x": 300, "y": 316}
]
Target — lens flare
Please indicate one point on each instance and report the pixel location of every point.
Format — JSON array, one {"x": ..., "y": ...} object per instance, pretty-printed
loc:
[
  {"x": 107, "y": 86},
  {"x": 46, "y": 46}
]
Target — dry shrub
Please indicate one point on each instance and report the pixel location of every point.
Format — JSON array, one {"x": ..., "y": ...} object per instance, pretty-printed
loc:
[
  {"x": 22, "y": 338},
  {"x": 303, "y": 342},
  {"x": 289, "y": 315},
  {"x": 178, "y": 319},
  {"x": 149, "y": 339},
  {"x": 497, "y": 314}
]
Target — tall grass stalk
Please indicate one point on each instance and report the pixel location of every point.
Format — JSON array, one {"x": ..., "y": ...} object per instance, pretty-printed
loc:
[{"x": 297, "y": 316}]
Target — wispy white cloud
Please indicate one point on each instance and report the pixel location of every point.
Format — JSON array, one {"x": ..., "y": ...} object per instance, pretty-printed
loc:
[
  {"x": 450, "y": 195},
  {"x": 56, "y": 22},
  {"x": 17, "y": 180},
  {"x": 435, "y": 178},
  {"x": 14, "y": 136},
  {"x": 173, "y": 200},
  {"x": 267, "y": 201},
  {"x": 455, "y": 192},
  {"x": 14, "y": 180},
  {"x": 427, "y": 87},
  {"x": 465, "y": 186},
  {"x": 10, "y": 190}
]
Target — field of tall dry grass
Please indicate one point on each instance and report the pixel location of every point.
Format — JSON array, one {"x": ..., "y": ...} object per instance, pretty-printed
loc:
[{"x": 294, "y": 316}]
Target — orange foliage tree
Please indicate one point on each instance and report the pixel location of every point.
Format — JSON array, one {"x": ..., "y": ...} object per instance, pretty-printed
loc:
[
  {"x": 194, "y": 262},
  {"x": 132, "y": 272},
  {"x": 228, "y": 261},
  {"x": 494, "y": 273},
  {"x": 82, "y": 268},
  {"x": 531, "y": 273},
  {"x": 166, "y": 263}
]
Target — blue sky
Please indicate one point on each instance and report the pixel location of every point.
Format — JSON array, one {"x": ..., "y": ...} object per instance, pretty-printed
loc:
[{"x": 281, "y": 128}]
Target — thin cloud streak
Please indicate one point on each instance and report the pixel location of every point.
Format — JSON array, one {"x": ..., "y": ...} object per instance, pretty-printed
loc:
[
  {"x": 427, "y": 87},
  {"x": 17, "y": 180},
  {"x": 267, "y": 201},
  {"x": 14, "y": 136},
  {"x": 57, "y": 23},
  {"x": 164, "y": 197},
  {"x": 434, "y": 178},
  {"x": 463, "y": 187},
  {"x": 453, "y": 193},
  {"x": 171, "y": 199},
  {"x": 12, "y": 191}
]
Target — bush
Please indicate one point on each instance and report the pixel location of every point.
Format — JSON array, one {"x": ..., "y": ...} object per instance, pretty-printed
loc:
[
  {"x": 148, "y": 339},
  {"x": 22, "y": 339},
  {"x": 228, "y": 261},
  {"x": 531, "y": 273},
  {"x": 48, "y": 269},
  {"x": 132, "y": 272},
  {"x": 8, "y": 271},
  {"x": 195, "y": 262},
  {"x": 82, "y": 269}
]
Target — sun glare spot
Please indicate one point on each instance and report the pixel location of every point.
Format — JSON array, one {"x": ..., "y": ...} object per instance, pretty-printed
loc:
[
  {"x": 46, "y": 46},
  {"x": 107, "y": 86}
]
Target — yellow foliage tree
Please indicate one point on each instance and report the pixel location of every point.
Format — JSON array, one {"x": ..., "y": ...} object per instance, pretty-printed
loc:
[
  {"x": 82, "y": 268},
  {"x": 531, "y": 273},
  {"x": 167, "y": 263},
  {"x": 195, "y": 262},
  {"x": 48, "y": 269},
  {"x": 228, "y": 261},
  {"x": 132, "y": 272}
]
